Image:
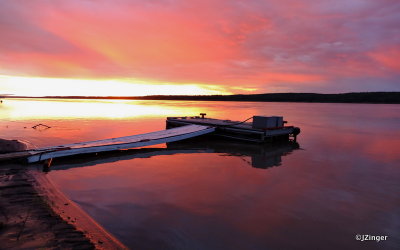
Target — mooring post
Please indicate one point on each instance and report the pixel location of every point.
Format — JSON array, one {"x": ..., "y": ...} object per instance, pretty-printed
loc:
[{"x": 47, "y": 165}]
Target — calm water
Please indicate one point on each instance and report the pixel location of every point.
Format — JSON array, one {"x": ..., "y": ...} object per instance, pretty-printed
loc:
[{"x": 342, "y": 178}]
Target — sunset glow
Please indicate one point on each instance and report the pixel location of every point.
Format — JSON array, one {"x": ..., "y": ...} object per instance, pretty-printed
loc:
[
  {"x": 36, "y": 86},
  {"x": 82, "y": 109},
  {"x": 198, "y": 47}
]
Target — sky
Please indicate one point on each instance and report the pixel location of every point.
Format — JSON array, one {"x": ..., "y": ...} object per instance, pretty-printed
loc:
[{"x": 133, "y": 47}]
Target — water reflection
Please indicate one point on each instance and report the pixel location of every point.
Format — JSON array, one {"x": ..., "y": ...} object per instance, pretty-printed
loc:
[
  {"x": 84, "y": 120},
  {"x": 345, "y": 181},
  {"x": 45, "y": 109},
  {"x": 261, "y": 156}
]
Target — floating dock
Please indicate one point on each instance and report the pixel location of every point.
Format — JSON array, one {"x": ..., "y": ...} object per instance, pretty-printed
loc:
[
  {"x": 261, "y": 129},
  {"x": 127, "y": 142}
]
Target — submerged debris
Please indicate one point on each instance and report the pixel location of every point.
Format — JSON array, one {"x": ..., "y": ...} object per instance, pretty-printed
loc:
[{"x": 41, "y": 125}]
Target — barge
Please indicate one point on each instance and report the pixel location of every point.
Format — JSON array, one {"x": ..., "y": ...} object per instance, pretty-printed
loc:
[{"x": 261, "y": 129}]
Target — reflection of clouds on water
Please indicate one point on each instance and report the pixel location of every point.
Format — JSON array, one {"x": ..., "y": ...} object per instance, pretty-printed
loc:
[
  {"x": 344, "y": 181},
  {"x": 48, "y": 109},
  {"x": 84, "y": 120}
]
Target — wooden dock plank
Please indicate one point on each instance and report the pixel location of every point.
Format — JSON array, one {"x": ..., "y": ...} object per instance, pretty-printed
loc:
[
  {"x": 132, "y": 138},
  {"x": 238, "y": 130},
  {"x": 217, "y": 122}
]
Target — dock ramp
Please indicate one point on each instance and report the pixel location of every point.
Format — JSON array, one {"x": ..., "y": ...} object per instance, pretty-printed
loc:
[{"x": 127, "y": 142}]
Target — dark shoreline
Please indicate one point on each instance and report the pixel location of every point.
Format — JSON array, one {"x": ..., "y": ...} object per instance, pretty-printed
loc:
[
  {"x": 27, "y": 221},
  {"x": 356, "y": 97},
  {"x": 35, "y": 215}
]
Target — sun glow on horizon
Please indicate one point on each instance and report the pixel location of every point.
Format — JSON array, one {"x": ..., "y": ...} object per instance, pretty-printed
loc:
[{"x": 40, "y": 86}]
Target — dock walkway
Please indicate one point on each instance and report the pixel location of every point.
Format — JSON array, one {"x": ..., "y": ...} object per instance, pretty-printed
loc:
[{"x": 127, "y": 142}]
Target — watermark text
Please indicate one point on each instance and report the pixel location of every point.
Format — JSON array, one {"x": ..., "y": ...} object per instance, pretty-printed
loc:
[{"x": 368, "y": 237}]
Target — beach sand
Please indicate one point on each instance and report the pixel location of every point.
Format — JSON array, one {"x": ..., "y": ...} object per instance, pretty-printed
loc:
[{"x": 34, "y": 214}]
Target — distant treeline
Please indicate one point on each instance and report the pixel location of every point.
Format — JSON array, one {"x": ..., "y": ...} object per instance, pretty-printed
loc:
[
  {"x": 365, "y": 97},
  {"x": 361, "y": 97}
]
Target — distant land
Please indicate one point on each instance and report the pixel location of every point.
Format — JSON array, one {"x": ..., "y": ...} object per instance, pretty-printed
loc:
[{"x": 354, "y": 97}]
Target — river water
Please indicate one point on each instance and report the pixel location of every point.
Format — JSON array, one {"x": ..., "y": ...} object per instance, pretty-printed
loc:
[{"x": 341, "y": 179}]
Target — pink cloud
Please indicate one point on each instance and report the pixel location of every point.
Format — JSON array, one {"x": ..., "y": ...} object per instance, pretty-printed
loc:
[
  {"x": 388, "y": 57},
  {"x": 265, "y": 45}
]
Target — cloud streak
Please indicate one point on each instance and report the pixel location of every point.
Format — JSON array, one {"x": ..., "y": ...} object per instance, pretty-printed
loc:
[{"x": 267, "y": 45}]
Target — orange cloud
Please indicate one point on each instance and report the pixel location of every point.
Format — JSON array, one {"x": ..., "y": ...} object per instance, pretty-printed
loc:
[{"x": 262, "y": 45}]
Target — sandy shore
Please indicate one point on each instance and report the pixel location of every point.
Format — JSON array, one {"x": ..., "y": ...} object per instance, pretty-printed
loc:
[{"x": 34, "y": 214}]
